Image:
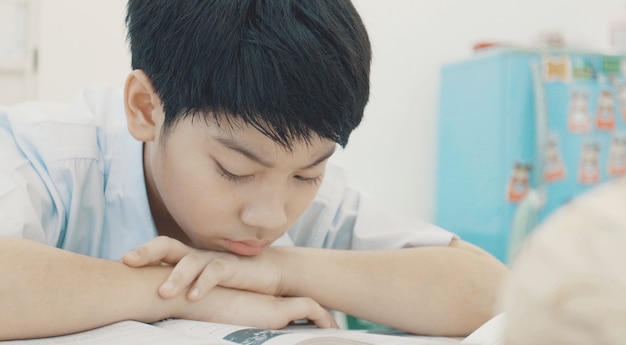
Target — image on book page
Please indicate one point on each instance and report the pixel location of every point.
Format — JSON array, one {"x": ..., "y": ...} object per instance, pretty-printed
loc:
[
  {"x": 120, "y": 333},
  {"x": 291, "y": 336}
]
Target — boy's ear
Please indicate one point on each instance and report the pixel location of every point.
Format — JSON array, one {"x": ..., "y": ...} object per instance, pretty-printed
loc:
[{"x": 143, "y": 107}]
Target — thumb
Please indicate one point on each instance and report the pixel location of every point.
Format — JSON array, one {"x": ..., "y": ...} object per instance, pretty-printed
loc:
[{"x": 159, "y": 250}]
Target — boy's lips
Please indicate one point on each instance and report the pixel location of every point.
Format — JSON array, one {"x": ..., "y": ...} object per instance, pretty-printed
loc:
[{"x": 248, "y": 248}]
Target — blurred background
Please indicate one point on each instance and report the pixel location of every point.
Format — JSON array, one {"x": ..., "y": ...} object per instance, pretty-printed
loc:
[{"x": 50, "y": 49}]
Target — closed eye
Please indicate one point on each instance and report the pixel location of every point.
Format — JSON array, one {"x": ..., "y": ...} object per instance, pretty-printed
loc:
[
  {"x": 310, "y": 180},
  {"x": 230, "y": 176}
]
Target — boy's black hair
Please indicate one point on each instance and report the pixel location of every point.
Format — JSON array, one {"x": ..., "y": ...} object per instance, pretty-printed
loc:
[{"x": 289, "y": 68}]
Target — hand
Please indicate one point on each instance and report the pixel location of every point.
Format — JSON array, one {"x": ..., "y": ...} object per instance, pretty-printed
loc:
[
  {"x": 206, "y": 269},
  {"x": 252, "y": 309}
]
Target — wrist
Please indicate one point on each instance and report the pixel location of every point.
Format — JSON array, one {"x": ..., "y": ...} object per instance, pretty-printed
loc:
[
  {"x": 289, "y": 267},
  {"x": 144, "y": 284}
]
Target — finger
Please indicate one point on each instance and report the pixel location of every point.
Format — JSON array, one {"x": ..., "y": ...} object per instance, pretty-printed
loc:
[
  {"x": 322, "y": 318},
  {"x": 214, "y": 273},
  {"x": 160, "y": 249},
  {"x": 306, "y": 308},
  {"x": 184, "y": 273}
]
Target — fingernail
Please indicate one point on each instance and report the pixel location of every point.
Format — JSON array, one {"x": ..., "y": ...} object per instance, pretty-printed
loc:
[
  {"x": 133, "y": 253},
  {"x": 168, "y": 287},
  {"x": 324, "y": 324},
  {"x": 194, "y": 294}
]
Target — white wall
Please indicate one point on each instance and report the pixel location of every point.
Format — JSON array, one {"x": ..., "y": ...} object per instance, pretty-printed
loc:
[
  {"x": 18, "y": 41},
  {"x": 392, "y": 155},
  {"x": 82, "y": 43}
]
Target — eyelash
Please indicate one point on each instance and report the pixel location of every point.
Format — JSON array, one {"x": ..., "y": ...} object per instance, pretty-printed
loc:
[
  {"x": 230, "y": 176},
  {"x": 236, "y": 178},
  {"x": 310, "y": 180}
]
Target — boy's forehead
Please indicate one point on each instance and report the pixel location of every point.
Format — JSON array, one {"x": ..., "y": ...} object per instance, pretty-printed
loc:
[
  {"x": 256, "y": 146},
  {"x": 233, "y": 128},
  {"x": 234, "y": 131}
]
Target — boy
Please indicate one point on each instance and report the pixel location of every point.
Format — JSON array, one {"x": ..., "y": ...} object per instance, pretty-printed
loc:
[{"x": 232, "y": 111}]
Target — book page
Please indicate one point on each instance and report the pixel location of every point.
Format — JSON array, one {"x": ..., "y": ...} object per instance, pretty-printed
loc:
[
  {"x": 120, "y": 333},
  {"x": 292, "y": 335},
  {"x": 490, "y": 333}
]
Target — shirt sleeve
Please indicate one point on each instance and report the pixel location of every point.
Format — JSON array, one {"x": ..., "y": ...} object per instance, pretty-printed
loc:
[
  {"x": 24, "y": 199},
  {"x": 378, "y": 226},
  {"x": 341, "y": 217}
]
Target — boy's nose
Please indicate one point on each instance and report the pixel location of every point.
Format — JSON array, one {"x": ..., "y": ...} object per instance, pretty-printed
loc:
[{"x": 267, "y": 213}]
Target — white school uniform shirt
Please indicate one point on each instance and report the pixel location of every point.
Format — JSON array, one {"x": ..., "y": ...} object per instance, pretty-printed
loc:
[{"x": 72, "y": 176}]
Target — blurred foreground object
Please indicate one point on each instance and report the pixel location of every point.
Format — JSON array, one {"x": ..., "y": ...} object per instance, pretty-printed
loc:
[{"x": 569, "y": 281}]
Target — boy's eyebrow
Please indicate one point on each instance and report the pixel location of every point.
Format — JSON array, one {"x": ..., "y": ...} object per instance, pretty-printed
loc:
[
  {"x": 321, "y": 158},
  {"x": 235, "y": 146}
]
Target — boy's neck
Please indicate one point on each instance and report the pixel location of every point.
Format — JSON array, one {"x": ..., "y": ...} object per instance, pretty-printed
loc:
[
  {"x": 164, "y": 223},
  {"x": 172, "y": 230}
]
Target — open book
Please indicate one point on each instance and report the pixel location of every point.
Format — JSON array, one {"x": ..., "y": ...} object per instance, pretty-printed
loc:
[{"x": 186, "y": 332}]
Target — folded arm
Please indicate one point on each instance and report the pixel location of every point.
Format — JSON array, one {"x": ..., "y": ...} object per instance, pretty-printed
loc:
[
  {"x": 427, "y": 290},
  {"x": 45, "y": 291},
  {"x": 438, "y": 290}
]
